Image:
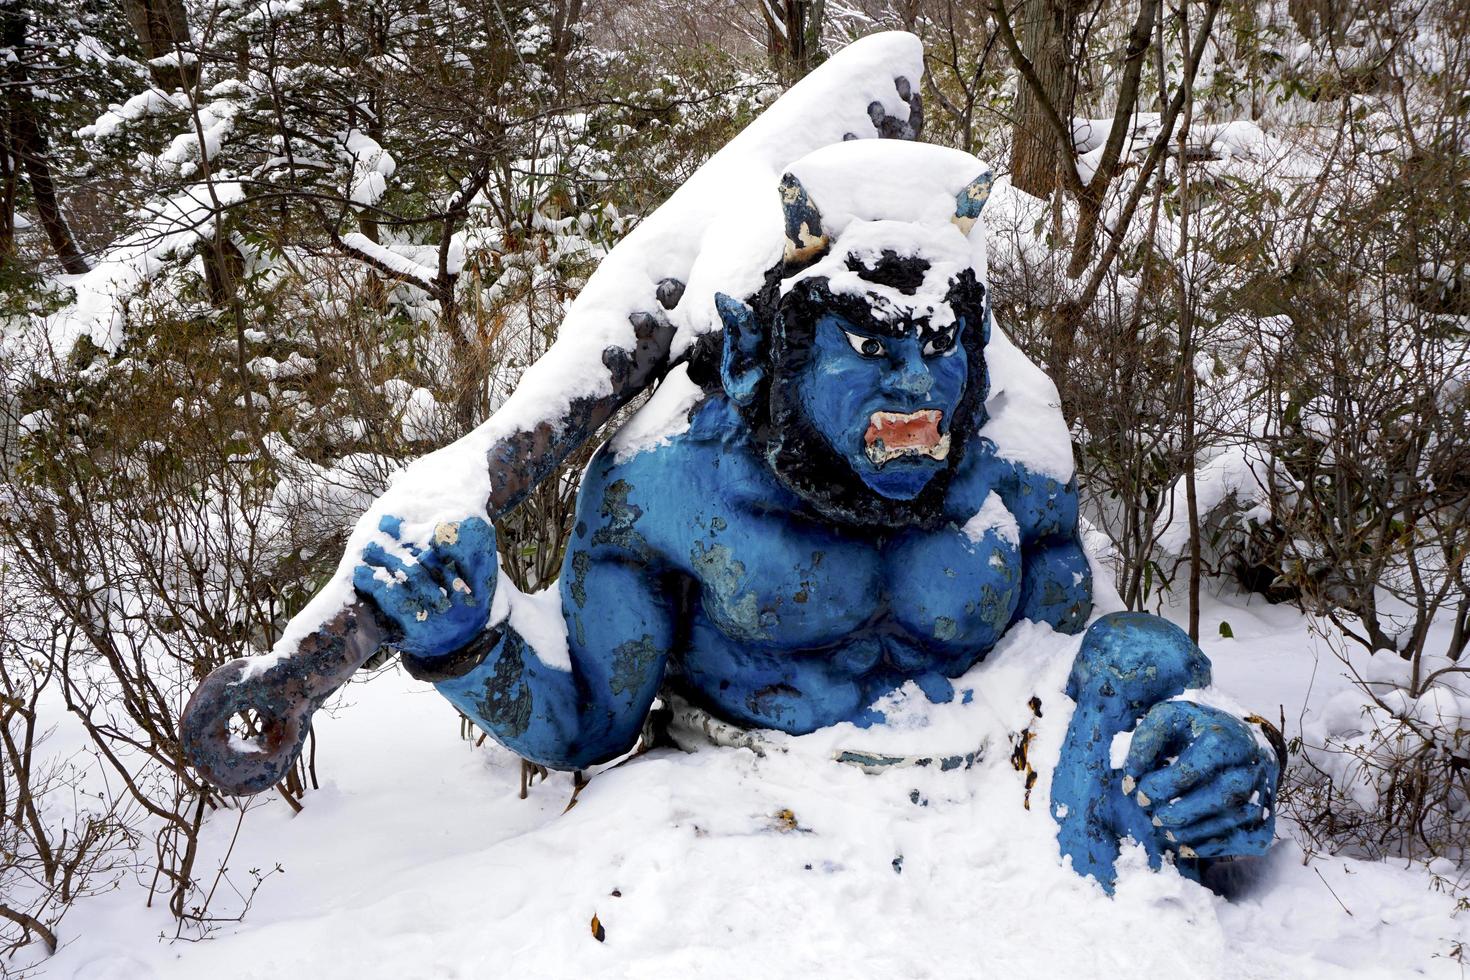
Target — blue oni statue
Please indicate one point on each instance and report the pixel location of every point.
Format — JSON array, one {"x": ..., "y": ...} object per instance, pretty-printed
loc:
[{"x": 806, "y": 543}]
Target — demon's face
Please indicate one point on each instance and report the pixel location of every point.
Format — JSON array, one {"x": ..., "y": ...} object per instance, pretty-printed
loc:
[
  {"x": 860, "y": 395},
  {"x": 861, "y": 364},
  {"x": 884, "y": 394}
]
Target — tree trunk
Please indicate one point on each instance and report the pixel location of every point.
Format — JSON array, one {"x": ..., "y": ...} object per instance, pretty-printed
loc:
[
  {"x": 9, "y": 186},
  {"x": 793, "y": 36},
  {"x": 1089, "y": 214},
  {"x": 223, "y": 266},
  {"x": 28, "y": 143},
  {"x": 564, "y": 18},
  {"x": 1045, "y": 28},
  {"x": 1319, "y": 18},
  {"x": 162, "y": 27},
  {"x": 1188, "y": 299}
]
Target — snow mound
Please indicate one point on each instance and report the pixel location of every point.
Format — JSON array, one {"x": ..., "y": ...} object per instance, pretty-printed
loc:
[
  {"x": 720, "y": 863},
  {"x": 1240, "y": 477},
  {"x": 871, "y": 181}
]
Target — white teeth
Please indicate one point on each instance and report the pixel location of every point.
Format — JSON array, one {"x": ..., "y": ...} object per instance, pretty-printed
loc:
[
  {"x": 881, "y": 422},
  {"x": 880, "y": 454}
]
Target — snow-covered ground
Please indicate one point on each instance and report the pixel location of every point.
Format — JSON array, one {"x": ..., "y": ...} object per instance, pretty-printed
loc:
[{"x": 416, "y": 859}]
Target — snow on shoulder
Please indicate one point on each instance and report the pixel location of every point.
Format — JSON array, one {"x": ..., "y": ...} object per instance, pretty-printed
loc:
[
  {"x": 664, "y": 416},
  {"x": 993, "y": 516},
  {"x": 1024, "y": 412}
]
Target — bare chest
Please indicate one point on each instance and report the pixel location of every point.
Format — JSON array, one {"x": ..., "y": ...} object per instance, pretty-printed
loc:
[{"x": 913, "y": 599}]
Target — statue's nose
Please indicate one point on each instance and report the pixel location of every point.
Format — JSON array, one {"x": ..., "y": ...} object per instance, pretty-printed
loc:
[{"x": 910, "y": 376}]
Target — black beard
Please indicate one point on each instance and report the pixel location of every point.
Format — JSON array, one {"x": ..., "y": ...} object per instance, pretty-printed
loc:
[{"x": 806, "y": 464}]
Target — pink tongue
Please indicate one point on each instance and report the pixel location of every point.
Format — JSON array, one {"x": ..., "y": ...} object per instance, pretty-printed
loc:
[{"x": 916, "y": 431}]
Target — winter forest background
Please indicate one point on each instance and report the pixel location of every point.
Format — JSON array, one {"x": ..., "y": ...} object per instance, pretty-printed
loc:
[{"x": 257, "y": 254}]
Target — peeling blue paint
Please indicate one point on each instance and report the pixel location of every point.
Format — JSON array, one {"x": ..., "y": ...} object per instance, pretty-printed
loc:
[{"x": 1217, "y": 798}]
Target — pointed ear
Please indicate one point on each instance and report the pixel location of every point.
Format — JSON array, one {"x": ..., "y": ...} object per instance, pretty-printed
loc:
[{"x": 743, "y": 365}]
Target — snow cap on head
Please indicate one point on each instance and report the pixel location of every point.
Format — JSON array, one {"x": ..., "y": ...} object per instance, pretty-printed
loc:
[
  {"x": 892, "y": 223},
  {"x": 925, "y": 199}
]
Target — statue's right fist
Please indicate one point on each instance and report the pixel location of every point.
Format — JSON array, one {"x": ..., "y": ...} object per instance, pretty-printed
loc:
[{"x": 438, "y": 597}]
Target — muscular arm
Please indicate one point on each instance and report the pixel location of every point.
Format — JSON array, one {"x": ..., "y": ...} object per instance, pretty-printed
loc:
[
  {"x": 620, "y": 627},
  {"x": 1056, "y": 582},
  {"x": 570, "y": 719}
]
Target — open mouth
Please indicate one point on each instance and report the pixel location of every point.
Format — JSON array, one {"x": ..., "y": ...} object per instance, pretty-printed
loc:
[{"x": 896, "y": 435}]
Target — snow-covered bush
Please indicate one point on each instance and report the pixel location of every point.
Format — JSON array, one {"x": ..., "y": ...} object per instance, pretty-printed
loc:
[
  {"x": 1385, "y": 767},
  {"x": 1340, "y": 479},
  {"x": 52, "y": 852}
]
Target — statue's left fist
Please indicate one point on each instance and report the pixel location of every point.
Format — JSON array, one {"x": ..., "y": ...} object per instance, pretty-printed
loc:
[
  {"x": 437, "y": 596},
  {"x": 1207, "y": 784}
]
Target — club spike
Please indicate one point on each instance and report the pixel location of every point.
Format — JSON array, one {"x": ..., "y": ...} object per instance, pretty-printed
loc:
[
  {"x": 805, "y": 239},
  {"x": 969, "y": 202}
]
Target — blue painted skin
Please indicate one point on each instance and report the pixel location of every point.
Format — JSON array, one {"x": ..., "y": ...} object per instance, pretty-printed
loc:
[
  {"x": 693, "y": 565},
  {"x": 1195, "y": 783},
  {"x": 795, "y": 623},
  {"x": 843, "y": 391},
  {"x": 423, "y": 589}
]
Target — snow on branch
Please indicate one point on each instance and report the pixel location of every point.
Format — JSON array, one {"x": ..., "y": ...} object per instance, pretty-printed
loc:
[
  {"x": 774, "y": 19},
  {"x": 150, "y": 102},
  {"x": 371, "y": 166},
  {"x": 214, "y": 122},
  {"x": 386, "y": 261},
  {"x": 1241, "y": 478},
  {"x": 176, "y": 225}
]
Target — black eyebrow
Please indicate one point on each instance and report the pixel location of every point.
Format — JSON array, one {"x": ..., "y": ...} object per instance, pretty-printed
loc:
[
  {"x": 861, "y": 321},
  {"x": 847, "y": 326},
  {"x": 950, "y": 331}
]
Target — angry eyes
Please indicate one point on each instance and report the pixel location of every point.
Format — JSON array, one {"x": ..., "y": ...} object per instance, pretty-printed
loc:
[
  {"x": 941, "y": 345},
  {"x": 866, "y": 346}
]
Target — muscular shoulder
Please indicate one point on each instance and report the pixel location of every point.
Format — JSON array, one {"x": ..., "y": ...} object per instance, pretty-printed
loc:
[
  {"x": 1042, "y": 505},
  {"x": 647, "y": 488}
]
